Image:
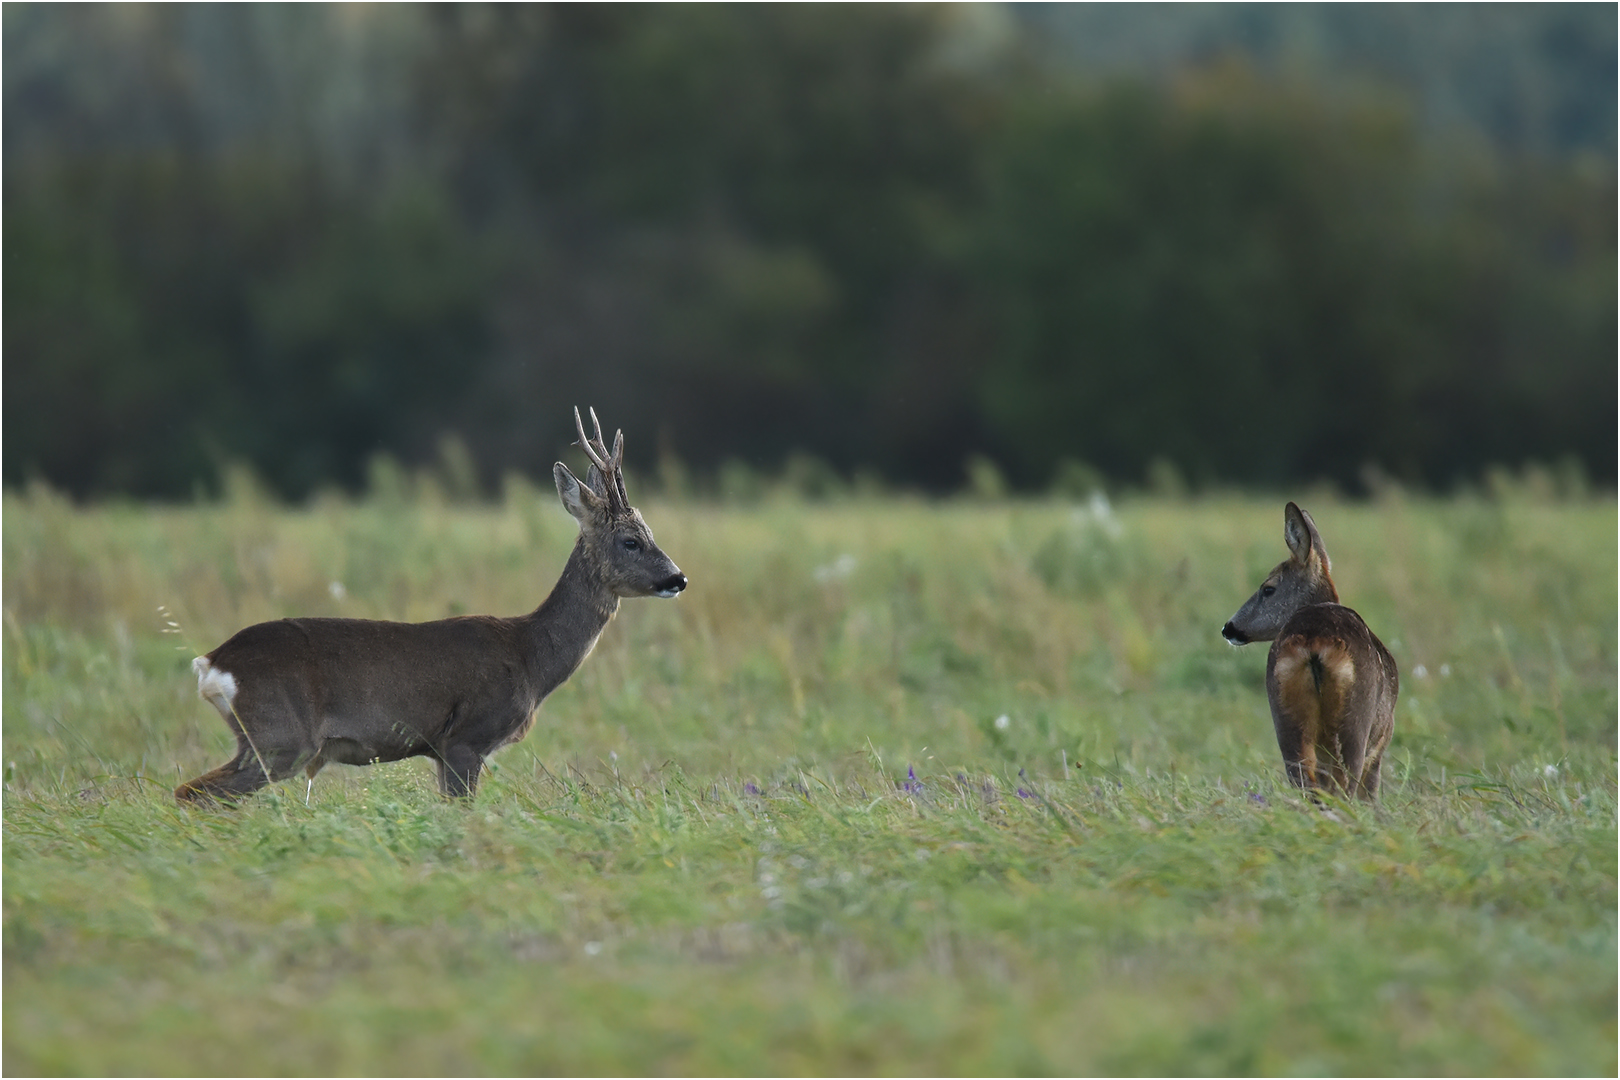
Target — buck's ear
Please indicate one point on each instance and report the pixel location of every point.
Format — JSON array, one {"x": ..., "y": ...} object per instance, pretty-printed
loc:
[
  {"x": 577, "y": 499},
  {"x": 1299, "y": 533}
]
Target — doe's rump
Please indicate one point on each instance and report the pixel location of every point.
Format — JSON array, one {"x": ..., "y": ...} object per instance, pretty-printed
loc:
[{"x": 1332, "y": 687}]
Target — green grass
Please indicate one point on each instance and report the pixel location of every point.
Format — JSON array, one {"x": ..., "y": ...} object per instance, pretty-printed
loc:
[{"x": 705, "y": 857}]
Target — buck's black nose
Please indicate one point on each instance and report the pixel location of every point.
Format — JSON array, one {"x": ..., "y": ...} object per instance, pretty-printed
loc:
[
  {"x": 672, "y": 585},
  {"x": 1234, "y": 635}
]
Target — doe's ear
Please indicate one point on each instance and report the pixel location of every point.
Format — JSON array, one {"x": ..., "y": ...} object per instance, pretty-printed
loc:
[
  {"x": 1299, "y": 533},
  {"x": 578, "y": 499}
]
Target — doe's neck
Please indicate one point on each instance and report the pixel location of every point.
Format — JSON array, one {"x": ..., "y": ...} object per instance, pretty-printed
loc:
[{"x": 1326, "y": 591}]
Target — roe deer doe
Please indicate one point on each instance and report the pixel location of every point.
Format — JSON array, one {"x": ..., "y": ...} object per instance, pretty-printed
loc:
[
  {"x": 299, "y": 693},
  {"x": 1331, "y": 682}
]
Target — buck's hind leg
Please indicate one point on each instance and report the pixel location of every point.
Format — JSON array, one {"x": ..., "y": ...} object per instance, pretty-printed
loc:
[
  {"x": 254, "y": 766},
  {"x": 273, "y": 736},
  {"x": 237, "y": 778},
  {"x": 240, "y": 777}
]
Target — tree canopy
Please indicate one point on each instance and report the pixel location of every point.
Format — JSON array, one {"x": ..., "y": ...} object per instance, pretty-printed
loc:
[{"x": 890, "y": 237}]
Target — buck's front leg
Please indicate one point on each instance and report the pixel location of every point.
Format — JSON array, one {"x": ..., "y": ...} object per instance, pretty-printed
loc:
[{"x": 459, "y": 766}]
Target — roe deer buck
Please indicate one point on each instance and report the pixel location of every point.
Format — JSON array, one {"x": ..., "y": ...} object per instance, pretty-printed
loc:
[
  {"x": 1331, "y": 682},
  {"x": 299, "y": 693}
]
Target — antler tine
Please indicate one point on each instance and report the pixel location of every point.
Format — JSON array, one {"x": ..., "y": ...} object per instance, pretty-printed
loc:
[
  {"x": 590, "y": 451},
  {"x": 618, "y": 466},
  {"x": 601, "y": 443}
]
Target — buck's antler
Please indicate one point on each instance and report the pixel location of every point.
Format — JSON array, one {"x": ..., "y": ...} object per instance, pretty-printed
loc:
[{"x": 608, "y": 466}]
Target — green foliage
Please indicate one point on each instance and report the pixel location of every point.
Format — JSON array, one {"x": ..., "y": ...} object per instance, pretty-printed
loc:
[
  {"x": 1533, "y": 80},
  {"x": 884, "y": 237},
  {"x": 182, "y": 315},
  {"x": 894, "y": 787},
  {"x": 1255, "y": 283}
]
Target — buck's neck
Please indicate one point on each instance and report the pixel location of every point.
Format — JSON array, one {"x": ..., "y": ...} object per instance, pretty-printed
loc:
[{"x": 562, "y": 631}]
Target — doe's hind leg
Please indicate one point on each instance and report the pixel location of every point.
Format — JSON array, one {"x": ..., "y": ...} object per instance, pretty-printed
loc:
[
  {"x": 1371, "y": 776},
  {"x": 1298, "y": 754}
]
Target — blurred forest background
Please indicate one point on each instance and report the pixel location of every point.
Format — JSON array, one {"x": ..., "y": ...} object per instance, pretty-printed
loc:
[{"x": 1211, "y": 245}]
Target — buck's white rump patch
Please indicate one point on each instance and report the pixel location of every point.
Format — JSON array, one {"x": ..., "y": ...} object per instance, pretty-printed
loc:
[{"x": 214, "y": 685}]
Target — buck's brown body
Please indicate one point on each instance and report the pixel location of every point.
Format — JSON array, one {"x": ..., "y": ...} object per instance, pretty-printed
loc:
[
  {"x": 1331, "y": 683},
  {"x": 299, "y": 693}
]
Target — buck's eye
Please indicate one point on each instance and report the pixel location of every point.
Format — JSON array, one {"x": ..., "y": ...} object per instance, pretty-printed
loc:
[
  {"x": 632, "y": 544},
  {"x": 1267, "y": 590}
]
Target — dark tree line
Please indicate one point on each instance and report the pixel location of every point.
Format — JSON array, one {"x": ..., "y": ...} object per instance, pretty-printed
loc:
[{"x": 871, "y": 234}]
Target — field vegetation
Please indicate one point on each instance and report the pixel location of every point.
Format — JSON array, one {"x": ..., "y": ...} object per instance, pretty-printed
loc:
[{"x": 896, "y": 786}]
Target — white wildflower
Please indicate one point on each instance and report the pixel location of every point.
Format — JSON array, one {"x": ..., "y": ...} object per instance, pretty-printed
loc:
[{"x": 837, "y": 570}]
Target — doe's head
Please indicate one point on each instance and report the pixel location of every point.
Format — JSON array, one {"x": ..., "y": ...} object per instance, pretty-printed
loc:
[
  {"x": 616, "y": 540},
  {"x": 1301, "y": 579}
]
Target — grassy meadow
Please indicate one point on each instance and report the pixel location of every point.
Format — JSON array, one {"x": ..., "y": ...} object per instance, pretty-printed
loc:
[{"x": 894, "y": 787}]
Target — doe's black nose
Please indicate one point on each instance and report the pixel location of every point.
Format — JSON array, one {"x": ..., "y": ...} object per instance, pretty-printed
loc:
[
  {"x": 1234, "y": 635},
  {"x": 672, "y": 584}
]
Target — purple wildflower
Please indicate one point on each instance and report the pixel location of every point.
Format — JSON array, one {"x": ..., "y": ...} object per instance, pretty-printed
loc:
[
  {"x": 912, "y": 784},
  {"x": 750, "y": 788},
  {"x": 1258, "y": 799},
  {"x": 1022, "y": 794}
]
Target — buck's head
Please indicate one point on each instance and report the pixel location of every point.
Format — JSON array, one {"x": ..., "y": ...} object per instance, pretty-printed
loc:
[
  {"x": 1297, "y": 581},
  {"x": 616, "y": 541}
]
